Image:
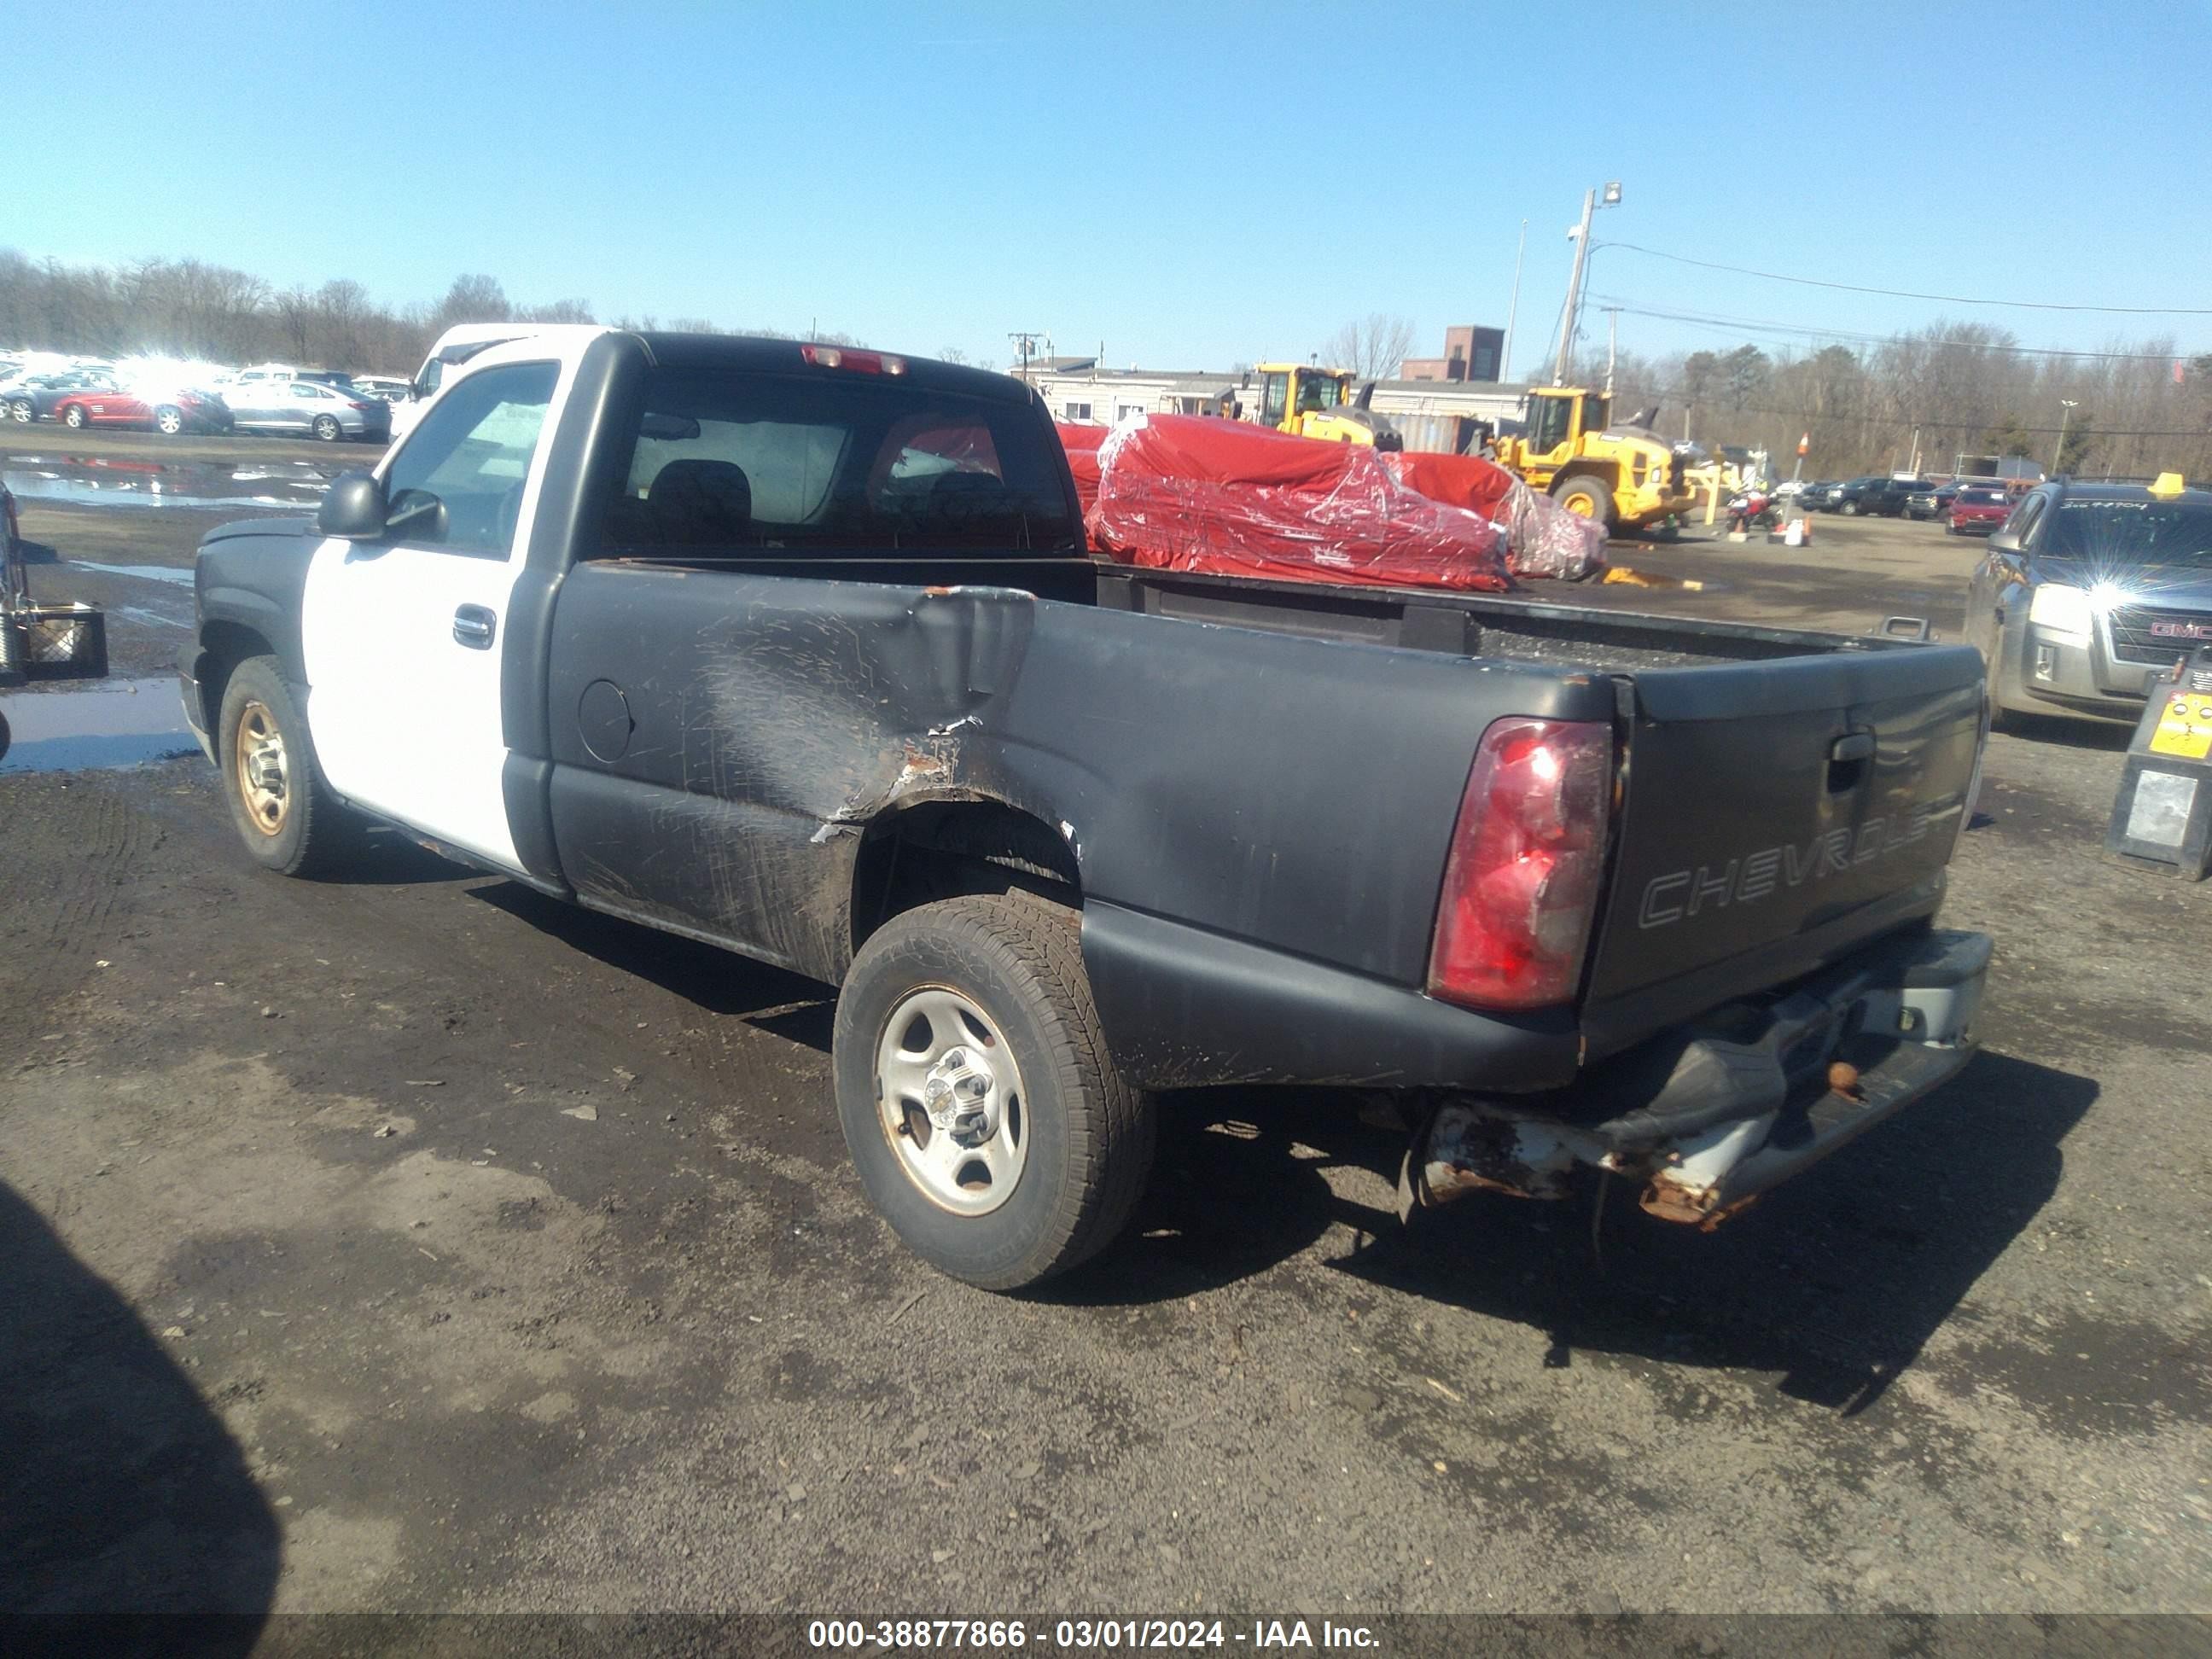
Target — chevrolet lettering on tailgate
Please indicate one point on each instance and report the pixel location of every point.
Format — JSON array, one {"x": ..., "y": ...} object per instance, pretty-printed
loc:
[{"x": 1752, "y": 876}]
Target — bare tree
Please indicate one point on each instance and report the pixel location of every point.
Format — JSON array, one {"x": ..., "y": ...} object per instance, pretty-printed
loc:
[
  {"x": 473, "y": 300},
  {"x": 1373, "y": 349}
]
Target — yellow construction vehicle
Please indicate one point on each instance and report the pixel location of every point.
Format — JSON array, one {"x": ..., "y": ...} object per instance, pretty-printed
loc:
[
  {"x": 1318, "y": 402},
  {"x": 1625, "y": 476}
]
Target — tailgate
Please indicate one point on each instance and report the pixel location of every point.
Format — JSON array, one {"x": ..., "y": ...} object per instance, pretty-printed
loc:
[{"x": 1776, "y": 816}]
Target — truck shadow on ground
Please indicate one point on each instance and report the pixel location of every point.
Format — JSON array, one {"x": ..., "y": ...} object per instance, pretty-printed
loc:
[
  {"x": 1835, "y": 1280},
  {"x": 121, "y": 1492},
  {"x": 717, "y": 981}
]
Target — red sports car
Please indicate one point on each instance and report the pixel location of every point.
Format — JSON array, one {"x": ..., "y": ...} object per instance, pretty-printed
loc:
[
  {"x": 173, "y": 410},
  {"x": 1978, "y": 511}
]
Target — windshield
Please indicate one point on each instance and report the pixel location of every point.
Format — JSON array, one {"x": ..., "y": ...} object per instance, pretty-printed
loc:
[
  {"x": 2111, "y": 533},
  {"x": 1319, "y": 392},
  {"x": 1980, "y": 498}
]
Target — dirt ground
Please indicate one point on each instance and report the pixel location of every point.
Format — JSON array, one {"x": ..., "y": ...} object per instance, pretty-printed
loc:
[{"x": 417, "y": 1244}]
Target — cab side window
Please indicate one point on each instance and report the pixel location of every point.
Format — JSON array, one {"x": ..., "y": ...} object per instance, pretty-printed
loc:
[
  {"x": 473, "y": 452},
  {"x": 2025, "y": 518}
]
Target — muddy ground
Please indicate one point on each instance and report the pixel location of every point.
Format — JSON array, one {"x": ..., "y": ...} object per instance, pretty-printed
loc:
[{"x": 415, "y": 1242}]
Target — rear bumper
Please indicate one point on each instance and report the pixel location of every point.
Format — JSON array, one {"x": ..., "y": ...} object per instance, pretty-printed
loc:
[{"x": 1727, "y": 1107}]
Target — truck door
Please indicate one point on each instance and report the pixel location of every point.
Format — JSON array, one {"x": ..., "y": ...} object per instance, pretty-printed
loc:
[
  {"x": 402, "y": 637},
  {"x": 1274, "y": 399}
]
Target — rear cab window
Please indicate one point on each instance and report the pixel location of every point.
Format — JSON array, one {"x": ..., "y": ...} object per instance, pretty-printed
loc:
[{"x": 743, "y": 462}]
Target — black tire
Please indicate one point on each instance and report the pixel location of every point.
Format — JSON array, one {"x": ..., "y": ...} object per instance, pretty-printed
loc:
[
  {"x": 1849, "y": 509},
  {"x": 1598, "y": 491},
  {"x": 20, "y": 411},
  {"x": 1090, "y": 1133},
  {"x": 311, "y": 833},
  {"x": 327, "y": 429},
  {"x": 169, "y": 420},
  {"x": 74, "y": 416}
]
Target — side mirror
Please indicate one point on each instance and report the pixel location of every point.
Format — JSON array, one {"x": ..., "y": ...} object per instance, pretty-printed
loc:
[
  {"x": 2004, "y": 542},
  {"x": 353, "y": 508}
]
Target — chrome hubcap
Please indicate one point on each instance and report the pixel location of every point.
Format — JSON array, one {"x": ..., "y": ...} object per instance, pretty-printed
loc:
[
  {"x": 950, "y": 1099},
  {"x": 262, "y": 777}
]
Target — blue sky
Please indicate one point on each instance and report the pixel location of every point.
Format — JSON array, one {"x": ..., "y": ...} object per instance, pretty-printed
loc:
[{"x": 1187, "y": 184}]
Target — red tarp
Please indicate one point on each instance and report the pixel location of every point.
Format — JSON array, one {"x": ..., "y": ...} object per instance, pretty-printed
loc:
[
  {"x": 1081, "y": 443},
  {"x": 1542, "y": 538},
  {"x": 1188, "y": 492}
]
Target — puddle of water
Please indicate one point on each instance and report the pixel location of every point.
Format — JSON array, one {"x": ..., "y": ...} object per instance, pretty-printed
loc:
[
  {"x": 113, "y": 723},
  {"x": 150, "y": 572},
  {"x": 102, "y": 481}
]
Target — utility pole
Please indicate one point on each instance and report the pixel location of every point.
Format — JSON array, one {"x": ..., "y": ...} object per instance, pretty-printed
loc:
[
  {"x": 1592, "y": 200},
  {"x": 2066, "y": 408},
  {"x": 1512, "y": 306},
  {"x": 1025, "y": 343},
  {"x": 1611, "y": 343}
]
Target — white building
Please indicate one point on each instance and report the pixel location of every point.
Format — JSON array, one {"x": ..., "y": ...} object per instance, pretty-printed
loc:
[{"x": 1433, "y": 415}]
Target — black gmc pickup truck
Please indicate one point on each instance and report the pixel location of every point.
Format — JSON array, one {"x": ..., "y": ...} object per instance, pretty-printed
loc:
[{"x": 798, "y": 649}]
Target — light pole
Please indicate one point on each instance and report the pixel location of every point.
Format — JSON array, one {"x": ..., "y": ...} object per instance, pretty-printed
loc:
[
  {"x": 1512, "y": 307},
  {"x": 1592, "y": 200},
  {"x": 2066, "y": 408}
]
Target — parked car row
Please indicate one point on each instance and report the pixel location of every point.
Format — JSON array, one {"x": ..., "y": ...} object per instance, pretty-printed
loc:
[
  {"x": 316, "y": 403},
  {"x": 1963, "y": 506}
]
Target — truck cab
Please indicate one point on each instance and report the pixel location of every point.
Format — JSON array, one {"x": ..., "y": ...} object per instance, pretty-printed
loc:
[{"x": 1309, "y": 401}]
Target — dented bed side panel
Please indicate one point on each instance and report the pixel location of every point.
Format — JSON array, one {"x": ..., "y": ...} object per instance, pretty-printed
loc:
[{"x": 723, "y": 739}]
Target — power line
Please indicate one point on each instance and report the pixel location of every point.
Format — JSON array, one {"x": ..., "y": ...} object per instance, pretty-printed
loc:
[
  {"x": 1683, "y": 395},
  {"x": 1909, "y": 294},
  {"x": 1753, "y": 325}
]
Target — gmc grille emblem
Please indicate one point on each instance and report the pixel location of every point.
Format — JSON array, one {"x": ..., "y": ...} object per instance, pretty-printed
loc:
[{"x": 2181, "y": 630}]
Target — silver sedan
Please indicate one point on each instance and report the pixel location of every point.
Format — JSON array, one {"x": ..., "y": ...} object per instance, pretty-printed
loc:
[{"x": 327, "y": 412}]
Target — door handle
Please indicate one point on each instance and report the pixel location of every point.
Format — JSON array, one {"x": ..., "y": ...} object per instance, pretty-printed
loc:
[{"x": 474, "y": 626}]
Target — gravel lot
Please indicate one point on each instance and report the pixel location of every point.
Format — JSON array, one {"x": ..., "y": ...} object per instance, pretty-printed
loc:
[{"x": 417, "y": 1244}]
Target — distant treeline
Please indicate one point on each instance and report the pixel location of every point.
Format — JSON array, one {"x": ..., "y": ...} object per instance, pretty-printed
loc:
[
  {"x": 189, "y": 309},
  {"x": 2136, "y": 407}
]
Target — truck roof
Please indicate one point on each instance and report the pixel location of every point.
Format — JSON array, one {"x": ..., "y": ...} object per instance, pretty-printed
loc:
[{"x": 746, "y": 352}]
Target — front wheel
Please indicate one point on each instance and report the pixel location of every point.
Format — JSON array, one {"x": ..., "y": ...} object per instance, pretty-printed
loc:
[
  {"x": 1850, "y": 509},
  {"x": 1587, "y": 496},
  {"x": 20, "y": 411},
  {"x": 326, "y": 428},
  {"x": 169, "y": 421},
  {"x": 986, "y": 1120},
  {"x": 74, "y": 416},
  {"x": 285, "y": 813}
]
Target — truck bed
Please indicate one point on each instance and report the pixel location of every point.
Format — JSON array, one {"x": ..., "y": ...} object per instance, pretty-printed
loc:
[{"x": 1533, "y": 630}]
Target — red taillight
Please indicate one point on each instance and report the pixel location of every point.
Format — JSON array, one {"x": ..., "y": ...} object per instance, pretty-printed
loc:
[
  {"x": 350, "y": 404},
  {"x": 1521, "y": 885},
  {"x": 853, "y": 359}
]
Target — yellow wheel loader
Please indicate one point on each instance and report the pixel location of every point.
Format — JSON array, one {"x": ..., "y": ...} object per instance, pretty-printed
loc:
[
  {"x": 1318, "y": 402},
  {"x": 1626, "y": 477}
]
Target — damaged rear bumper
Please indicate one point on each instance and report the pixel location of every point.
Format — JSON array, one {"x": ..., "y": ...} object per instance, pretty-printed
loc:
[{"x": 1708, "y": 1117}]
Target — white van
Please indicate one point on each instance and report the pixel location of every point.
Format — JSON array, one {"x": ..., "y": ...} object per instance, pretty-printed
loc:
[{"x": 455, "y": 347}]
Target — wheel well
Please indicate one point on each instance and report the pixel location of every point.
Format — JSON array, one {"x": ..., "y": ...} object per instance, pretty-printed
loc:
[
  {"x": 945, "y": 849},
  {"x": 223, "y": 646}
]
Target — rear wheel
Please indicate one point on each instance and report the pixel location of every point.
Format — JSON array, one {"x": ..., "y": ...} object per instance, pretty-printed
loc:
[
  {"x": 169, "y": 420},
  {"x": 1586, "y": 496},
  {"x": 984, "y": 1115},
  {"x": 326, "y": 428},
  {"x": 284, "y": 812},
  {"x": 74, "y": 415},
  {"x": 20, "y": 411}
]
